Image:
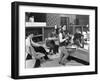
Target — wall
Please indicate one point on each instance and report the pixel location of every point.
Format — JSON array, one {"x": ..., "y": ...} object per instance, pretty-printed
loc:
[
  {"x": 5, "y": 40},
  {"x": 52, "y": 19},
  {"x": 83, "y": 20},
  {"x": 55, "y": 19}
]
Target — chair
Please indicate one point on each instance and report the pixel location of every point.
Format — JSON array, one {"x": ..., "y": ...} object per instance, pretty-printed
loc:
[{"x": 36, "y": 55}]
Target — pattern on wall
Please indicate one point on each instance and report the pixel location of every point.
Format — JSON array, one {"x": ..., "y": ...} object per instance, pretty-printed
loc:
[
  {"x": 55, "y": 19},
  {"x": 52, "y": 19}
]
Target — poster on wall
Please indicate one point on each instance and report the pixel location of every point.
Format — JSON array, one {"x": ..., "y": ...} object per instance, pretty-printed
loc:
[{"x": 50, "y": 40}]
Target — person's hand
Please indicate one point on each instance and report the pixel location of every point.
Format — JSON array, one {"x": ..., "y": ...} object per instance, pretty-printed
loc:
[{"x": 66, "y": 37}]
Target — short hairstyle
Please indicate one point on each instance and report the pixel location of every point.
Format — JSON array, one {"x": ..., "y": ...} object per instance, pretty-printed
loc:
[{"x": 52, "y": 42}]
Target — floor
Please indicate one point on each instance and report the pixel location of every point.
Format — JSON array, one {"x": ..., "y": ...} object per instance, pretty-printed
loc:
[
  {"x": 54, "y": 63},
  {"x": 82, "y": 54},
  {"x": 79, "y": 58}
]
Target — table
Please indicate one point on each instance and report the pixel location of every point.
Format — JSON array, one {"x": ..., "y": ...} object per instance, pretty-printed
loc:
[{"x": 71, "y": 49}]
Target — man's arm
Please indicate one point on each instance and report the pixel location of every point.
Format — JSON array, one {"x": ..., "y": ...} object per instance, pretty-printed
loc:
[{"x": 33, "y": 43}]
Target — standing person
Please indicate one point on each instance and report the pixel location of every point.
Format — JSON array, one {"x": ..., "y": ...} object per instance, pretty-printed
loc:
[
  {"x": 64, "y": 54},
  {"x": 56, "y": 29}
]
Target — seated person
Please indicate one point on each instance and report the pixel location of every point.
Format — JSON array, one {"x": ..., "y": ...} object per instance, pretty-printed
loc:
[
  {"x": 37, "y": 47},
  {"x": 27, "y": 46},
  {"x": 50, "y": 42},
  {"x": 78, "y": 38},
  {"x": 37, "y": 56},
  {"x": 53, "y": 47}
]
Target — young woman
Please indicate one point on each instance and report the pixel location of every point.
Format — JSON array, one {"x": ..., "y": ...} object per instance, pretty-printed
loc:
[{"x": 62, "y": 42}]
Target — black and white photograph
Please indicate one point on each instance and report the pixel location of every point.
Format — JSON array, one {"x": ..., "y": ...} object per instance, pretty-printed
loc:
[
  {"x": 54, "y": 40},
  {"x": 50, "y": 40}
]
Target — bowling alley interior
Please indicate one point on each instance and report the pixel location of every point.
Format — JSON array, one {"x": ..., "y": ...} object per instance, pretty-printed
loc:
[{"x": 56, "y": 40}]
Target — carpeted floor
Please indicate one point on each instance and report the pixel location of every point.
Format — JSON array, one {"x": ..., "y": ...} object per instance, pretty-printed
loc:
[{"x": 79, "y": 58}]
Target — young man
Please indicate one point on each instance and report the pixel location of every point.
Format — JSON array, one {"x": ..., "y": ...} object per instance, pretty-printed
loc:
[{"x": 33, "y": 49}]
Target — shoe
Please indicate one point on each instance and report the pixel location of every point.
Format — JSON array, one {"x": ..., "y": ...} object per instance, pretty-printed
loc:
[{"x": 62, "y": 63}]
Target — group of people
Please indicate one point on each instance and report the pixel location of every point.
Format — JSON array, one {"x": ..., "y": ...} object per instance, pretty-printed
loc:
[{"x": 38, "y": 52}]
